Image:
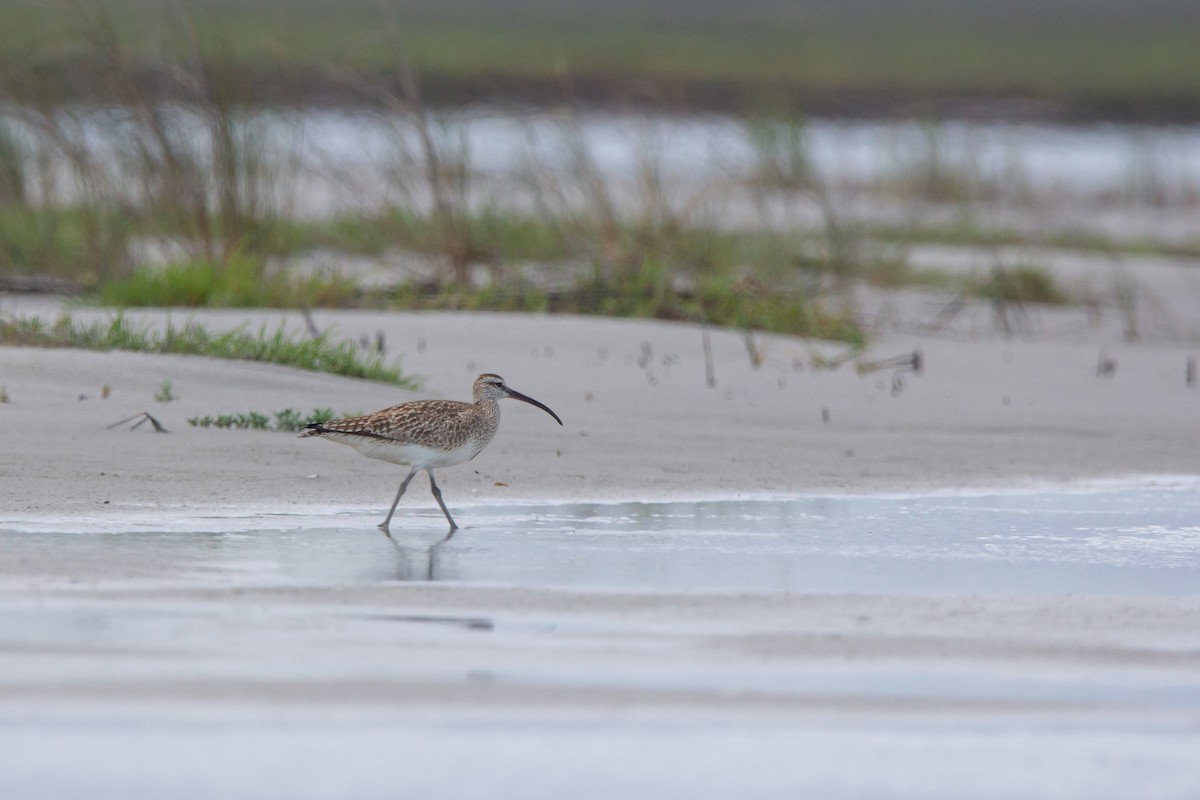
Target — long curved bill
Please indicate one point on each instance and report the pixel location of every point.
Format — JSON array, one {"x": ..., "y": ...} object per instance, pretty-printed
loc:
[{"x": 515, "y": 395}]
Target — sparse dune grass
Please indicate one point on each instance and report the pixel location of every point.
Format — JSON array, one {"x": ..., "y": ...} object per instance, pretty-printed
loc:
[
  {"x": 319, "y": 353},
  {"x": 240, "y": 282},
  {"x": 1019, "y": 284},
  {"x": 191, "y": 204}
]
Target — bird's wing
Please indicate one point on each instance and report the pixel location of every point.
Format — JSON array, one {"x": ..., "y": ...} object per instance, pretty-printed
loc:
[{"x": 433, "y": 423}]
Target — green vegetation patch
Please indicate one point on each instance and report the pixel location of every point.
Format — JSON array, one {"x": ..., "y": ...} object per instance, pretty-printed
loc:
[
  {"x": 82, "y": 243},
  {"x": 319, "y": 353},
  {"x": 238, "y": 282},
  {"x": 288, "y": 420},
  {"x": 487, "y": 235}
]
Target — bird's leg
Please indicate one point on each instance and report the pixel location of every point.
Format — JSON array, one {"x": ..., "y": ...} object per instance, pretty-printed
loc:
[
  {"x": 437, "y": 495},
  {"x": 403, "y": 485}
]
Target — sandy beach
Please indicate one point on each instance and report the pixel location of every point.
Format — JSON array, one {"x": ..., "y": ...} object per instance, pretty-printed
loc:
[
  {"x": 160, "y": 672},
  {"x": 641, "y": 421},
  {"x": 955, "y": 556}
]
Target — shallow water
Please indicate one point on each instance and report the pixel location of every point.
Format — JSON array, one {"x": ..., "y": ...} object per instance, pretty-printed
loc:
[
  {"x": 1113, "y": 542},
  {"x": 1087, "y": 158},
  {"x": 256, "y": 694}
]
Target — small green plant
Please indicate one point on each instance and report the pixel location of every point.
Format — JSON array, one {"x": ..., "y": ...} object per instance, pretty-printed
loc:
[
  {"x": 251, "y": 421},
  {"x": 287, "y": 420},
  {"x": 164, "y": 394},
  {"x": 3, "y": 395}
]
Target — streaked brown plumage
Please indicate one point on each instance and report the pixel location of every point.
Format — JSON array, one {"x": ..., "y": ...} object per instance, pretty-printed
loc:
[{"x": 427, "y": 434}]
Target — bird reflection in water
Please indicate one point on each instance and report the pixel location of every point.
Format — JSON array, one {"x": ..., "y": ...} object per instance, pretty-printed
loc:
[{"x": 417, "y": 558}]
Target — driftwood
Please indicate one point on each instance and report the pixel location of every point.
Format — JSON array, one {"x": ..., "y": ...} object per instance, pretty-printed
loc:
[{"x": 141, "y": 419}]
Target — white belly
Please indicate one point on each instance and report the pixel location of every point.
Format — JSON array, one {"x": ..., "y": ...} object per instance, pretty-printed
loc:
[{"x": 413, "y": 455}]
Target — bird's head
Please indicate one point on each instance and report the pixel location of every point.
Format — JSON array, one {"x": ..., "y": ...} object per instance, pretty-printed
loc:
[{"x": 491, "y": 387}]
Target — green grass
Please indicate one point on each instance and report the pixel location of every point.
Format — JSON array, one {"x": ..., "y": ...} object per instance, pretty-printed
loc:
[
  {"x": 319, "y": 354},
  {"x": 762, "y": 280},
  {"x": 84, "y": 243},
  {"x": 719, "y": 301},
  {"x": 722, "y": 273},
  {"x": 752, "y": 280},
  {"x": 492, "y": 233},
  {"x": 635, "y": 270},
  {"x": 239, "y": 282}
]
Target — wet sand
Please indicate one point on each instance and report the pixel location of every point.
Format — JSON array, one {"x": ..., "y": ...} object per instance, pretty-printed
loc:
[{"x": 456, "y": 690}]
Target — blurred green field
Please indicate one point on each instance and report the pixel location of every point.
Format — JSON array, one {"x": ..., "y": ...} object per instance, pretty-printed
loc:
[{"x": 1096, "y": 58}]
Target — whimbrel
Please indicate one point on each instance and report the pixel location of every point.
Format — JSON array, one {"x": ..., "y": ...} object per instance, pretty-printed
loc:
[{"x": 427, "y": 434}]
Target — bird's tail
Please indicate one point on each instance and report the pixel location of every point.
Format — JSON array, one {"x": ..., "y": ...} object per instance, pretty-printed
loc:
[{"x": 313, "y": 429}]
